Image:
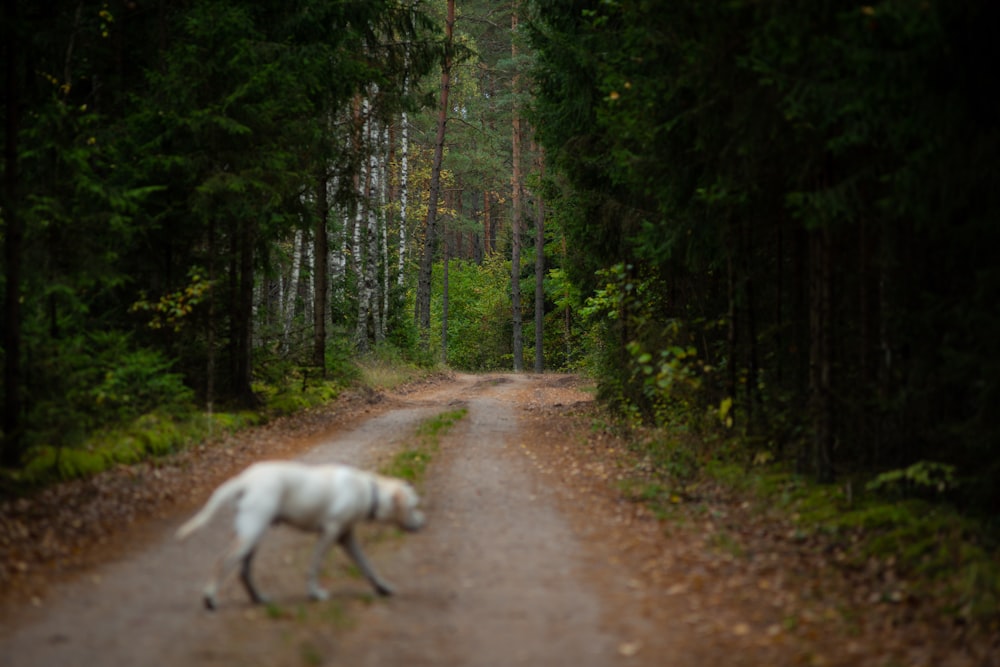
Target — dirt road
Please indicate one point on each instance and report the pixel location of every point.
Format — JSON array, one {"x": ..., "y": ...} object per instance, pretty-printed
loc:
[
  {"x": 531, "y": 557},
  {"x": 497, "y": 573}
]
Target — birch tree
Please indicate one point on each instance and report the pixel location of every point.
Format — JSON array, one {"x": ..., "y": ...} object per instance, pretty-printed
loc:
[
  {"x": 320, "y": 263},
  {"x": 404, "y": 183}
]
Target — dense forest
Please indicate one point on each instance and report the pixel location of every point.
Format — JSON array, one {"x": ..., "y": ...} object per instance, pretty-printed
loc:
[
  {"x": 777, "y": 220},
  {"x": 788, "y": 210}
]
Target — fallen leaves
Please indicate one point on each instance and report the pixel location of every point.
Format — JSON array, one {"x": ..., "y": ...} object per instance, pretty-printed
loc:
[{"x": 629, "y": 649}]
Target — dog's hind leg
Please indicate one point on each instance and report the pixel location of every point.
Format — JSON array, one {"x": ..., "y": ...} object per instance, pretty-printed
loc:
[
  {"x": 227, "y": 563},
  {"x": 353, "y": 549},
  {"x": 240, "y": 552},
  {"x": 247, "y": 579}
]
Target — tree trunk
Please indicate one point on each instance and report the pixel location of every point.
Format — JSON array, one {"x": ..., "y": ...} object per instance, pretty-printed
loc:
[
  {"x": 732, "y": 335},
  {"x": 210, "y": 369},
  {"x": 540, "y": 274},
  {"x": 383, "y": 220},
  {"x": 821, "y": 353},
  {"x": 404, "y": 185},
  {"x": 243, "y": 316},
  {"x": 515, "y": 181},
  {"x": 366, "y": 242},
  {"x": 13, "y": 249},
  {"x": 320, "y": 253},
  {"x": 289, "y": 293},
  {"x": 444, "y": 303},
  {"x": 487, "y": 225},
  {"x": 753, "y": 398},
  {"x": 423, "y": 305}
]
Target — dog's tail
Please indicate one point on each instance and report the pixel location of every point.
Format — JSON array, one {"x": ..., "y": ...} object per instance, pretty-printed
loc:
[{"x": 228, "y": 491}]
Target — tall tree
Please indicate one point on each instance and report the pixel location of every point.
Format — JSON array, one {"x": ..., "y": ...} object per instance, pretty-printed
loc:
[
  {"x": 517, "y": 191},
  {"x": 423, "y": 300},
  {"x": 320, "y": 263},
  {"x": 12, "y": 445},
  {"x": 540, "y": 271}
]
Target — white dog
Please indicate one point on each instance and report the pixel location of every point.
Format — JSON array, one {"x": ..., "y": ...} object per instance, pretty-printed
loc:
[{"x": 328, "y": 499}]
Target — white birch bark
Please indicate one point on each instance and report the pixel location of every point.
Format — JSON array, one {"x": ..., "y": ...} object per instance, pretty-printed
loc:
[
  {"x": 290, "y": 292},
  {"x": 338, "y": 247},
  {"x": 384, "y": 233},
  {"x": 404, "y": 183},
  {"x": 366, "y": 253}
]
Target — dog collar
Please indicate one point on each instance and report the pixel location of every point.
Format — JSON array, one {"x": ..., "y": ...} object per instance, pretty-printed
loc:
[{"x": 373, "y": 511}]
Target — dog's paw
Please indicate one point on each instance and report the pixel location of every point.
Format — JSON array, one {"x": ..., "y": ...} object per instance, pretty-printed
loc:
[
  {"x": 209, "y": 601},
  {"x": 318, "y": 594},
  {"x": 385, "y": 590}
]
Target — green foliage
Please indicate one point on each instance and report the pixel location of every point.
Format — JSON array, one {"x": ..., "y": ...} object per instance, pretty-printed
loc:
[
  {"x": 479, "y": 314},
  {"x": 921, "y": 477},
  {"x": 173, "y": 310},
  {"x": 100, "y": 379},
  {"x": 286, "y": 388}
]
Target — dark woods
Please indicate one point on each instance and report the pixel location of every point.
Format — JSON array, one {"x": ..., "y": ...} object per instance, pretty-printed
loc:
[{"x": 800, "y": 203}]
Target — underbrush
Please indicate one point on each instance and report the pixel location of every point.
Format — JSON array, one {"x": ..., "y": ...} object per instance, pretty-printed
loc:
[
  {"x": 281, "y": 387},
  {"x": 940, "y": 555},
  {"x": 387, "y": 367},
  {"x": 152, "y": 435}
]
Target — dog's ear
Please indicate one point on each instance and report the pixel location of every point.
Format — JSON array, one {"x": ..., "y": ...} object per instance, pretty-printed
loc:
[{"x": 399, "y": 500}]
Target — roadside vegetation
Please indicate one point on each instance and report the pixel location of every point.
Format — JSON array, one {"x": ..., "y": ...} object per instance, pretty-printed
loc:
[
  {"x": 177, "y": 423},
  {"x": 899, "y": 539}
]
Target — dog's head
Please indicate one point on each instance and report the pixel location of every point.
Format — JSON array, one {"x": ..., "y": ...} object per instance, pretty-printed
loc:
[{"x": 405, "y": 504}]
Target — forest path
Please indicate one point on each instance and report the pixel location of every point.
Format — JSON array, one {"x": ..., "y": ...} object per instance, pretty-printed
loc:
[{"x": 531, "y": 556}]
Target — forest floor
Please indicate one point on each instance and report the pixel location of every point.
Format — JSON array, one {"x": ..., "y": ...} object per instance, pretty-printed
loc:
[{"x": 533, "y": 555}]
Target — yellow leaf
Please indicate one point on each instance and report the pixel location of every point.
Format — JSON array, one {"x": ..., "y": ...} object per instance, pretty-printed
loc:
[{"x": 628, "y": 649}]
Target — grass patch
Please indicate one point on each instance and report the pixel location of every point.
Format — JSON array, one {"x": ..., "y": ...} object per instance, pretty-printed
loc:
[
  {"x": 387, "y": 368},
  {"x": 411, "y": 463}
]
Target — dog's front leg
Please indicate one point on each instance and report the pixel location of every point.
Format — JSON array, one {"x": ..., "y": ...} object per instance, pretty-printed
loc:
[
  {"x": 353, "y": 549},
  {"x": 326, "y": 540}
]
